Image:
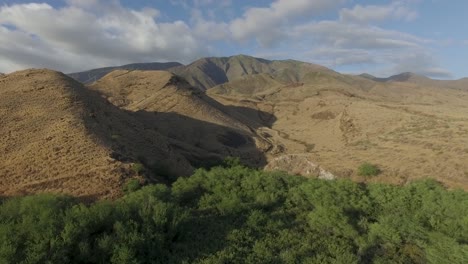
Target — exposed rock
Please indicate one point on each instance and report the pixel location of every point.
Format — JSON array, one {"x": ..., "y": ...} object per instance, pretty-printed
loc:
[{"x": 298, "y": 164}]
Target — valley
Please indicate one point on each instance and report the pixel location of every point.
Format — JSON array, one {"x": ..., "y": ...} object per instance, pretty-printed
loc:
[{"x": 60, "y": 135}]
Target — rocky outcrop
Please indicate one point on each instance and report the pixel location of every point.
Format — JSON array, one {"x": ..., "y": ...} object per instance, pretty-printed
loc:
[{"x": 299, "y": 164}]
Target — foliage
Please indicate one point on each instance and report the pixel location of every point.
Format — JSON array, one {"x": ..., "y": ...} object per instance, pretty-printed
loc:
[
  {"x": 138, "y": 168},
  {"x": 368, "y": 169},
  {"x": 240, "y": 215},
  {"x": 132, "y": 185}
]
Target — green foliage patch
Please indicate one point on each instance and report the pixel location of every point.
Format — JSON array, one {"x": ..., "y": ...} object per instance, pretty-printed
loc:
[
  {"x": 132, "y": 185},
  {"x": 241, "y": 215},
  {"x": 368, "y": 169}
]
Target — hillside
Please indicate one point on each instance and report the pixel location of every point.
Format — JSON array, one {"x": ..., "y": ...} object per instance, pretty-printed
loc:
[
  {"x": 57, "y": 136},
  {"x": 201, "y": 128},
  {"x": 341, "y": 121},
  {"x": 461, "y": 84},
  {"x": 209, "y": 72},
  {"x": 96, "y": 74},
  {"x": 279, "y": 115}
]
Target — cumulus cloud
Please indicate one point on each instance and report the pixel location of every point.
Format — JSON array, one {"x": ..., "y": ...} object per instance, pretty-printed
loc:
[
  {"x": 344, "y": 35},
  {"x": 85, "y": 34},
  {"x": 207, "y": 29},
  {"x": 88, "y": 33},
  {"x": 333, "y": 57},
  {"x": 399, "y": 10},
  {"x": 419, "y": 62},
  {"x": 336, "y": 43},
  {"x": 266, "y": 24}
]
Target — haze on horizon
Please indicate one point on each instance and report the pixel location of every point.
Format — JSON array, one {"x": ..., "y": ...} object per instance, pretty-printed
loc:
[{"x": 382, "y": 38}]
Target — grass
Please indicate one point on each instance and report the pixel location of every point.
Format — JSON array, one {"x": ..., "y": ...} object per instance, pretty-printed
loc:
[{"x": 368, "y": 169}]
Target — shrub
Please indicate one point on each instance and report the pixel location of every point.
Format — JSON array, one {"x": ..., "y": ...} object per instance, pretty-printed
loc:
[
  {"x": 131, "y": 186},
  {"x": 138, "y": 168},
  {"x": 368, "y": 169},
  {"x": 230, "y": 162}
]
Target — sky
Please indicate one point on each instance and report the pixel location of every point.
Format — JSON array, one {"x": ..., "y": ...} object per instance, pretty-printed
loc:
[{"x": 382, "y": 38}]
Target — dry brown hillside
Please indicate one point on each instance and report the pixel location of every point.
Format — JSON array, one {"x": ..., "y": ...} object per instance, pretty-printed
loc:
[
  {"x": 202, "y": 129},
  {"x": 339, "y": 122},
  {"x": 408, "y": 77},
  {"x": 57, "y": 136}
]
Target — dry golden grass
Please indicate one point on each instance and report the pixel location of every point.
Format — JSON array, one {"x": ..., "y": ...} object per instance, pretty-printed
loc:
[
  {"x": 410, "y": 131},
  {"x": 56, "y": 136}
]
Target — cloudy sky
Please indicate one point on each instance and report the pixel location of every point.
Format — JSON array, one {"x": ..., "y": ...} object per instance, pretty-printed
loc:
[{"x": 353, "y": 36}]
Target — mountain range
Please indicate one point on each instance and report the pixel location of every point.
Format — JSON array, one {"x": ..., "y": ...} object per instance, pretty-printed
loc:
[{"x": 88, "y": 133}]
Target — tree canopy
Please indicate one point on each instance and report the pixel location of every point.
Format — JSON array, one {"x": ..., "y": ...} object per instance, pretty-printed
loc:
[{"x": 241, "y": 215}]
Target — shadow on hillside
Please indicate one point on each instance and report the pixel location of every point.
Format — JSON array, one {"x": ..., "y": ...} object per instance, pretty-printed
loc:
[
  {"x": 199, "y": 140},
  {"x": 167, "y": 144},
  {"x": 256, "y": 118}
]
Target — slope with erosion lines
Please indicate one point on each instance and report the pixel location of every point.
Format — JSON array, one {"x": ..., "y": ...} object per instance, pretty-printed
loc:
[
  {"x": 93, "y": 75},
  {"x": 411, "y": 131},
  {"x": 206, "y": 73},
  {"x": 58, "y": 136},
  {"x": 199, "y": 126}
]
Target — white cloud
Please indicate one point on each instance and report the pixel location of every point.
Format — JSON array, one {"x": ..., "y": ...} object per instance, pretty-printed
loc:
[
  {"x": 87, "y": 34},
  {"x": 333, "y": 57},
  {"x": 209, "y": 30},
  {"x": 266, "y": 24},
  {"x": 343, "y": 35},
  {"x": 336, "y": 43},
  {"x": 419, "y": 62},
  {"x": 213, "y": 2},
  {"x": 399, "y": 10},
  {"x": 93, "y": 33}
]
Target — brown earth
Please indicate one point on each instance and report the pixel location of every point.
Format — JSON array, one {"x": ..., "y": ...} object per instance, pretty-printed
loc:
[
  {"x": 57, "y": 136},
  {"x": 201, "y": 128},
  {"x": 409, "y": 130}
]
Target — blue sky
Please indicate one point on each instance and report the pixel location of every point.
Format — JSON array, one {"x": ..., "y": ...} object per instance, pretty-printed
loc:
[{"x": 379, "y": 37}]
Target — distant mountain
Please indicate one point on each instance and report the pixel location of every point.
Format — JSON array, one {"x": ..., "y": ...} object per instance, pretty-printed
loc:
[
  {"x": 96, "y": 74},
  {"x": 206, "y": 73},
  {"x": 461, "y": 84},
  {"x": 402, "y": 77}
]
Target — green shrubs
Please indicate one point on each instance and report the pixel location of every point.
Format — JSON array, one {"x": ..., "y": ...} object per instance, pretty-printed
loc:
[
  {"x": 131, "y": 186},
  {"x": 241, "y": 215},
  {"x": 368, "y": 169},
  {"x": 138, "y": 168}
]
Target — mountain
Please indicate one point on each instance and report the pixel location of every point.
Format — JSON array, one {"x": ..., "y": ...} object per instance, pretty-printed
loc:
[
  {"x": 88, "y": 140},
  {"x": 209, "y": 72},
  {"x": 201, "y": 128},
  {"x": 95, "y": 74},
  {"x": 336, "y": 122},
  {"x": 461, "y": 84},
  {"x": 58, "y": 136}
]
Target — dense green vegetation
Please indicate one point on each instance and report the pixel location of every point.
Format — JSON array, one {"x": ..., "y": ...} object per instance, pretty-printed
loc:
[{"x": 240, "y": 215}]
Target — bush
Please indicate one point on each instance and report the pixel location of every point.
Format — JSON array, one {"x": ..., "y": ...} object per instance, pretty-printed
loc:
[
  {"x": 241, "y": 215},
  {"x": 138, "y": 168},
  {"x": 368, "y": 169},
  {"x": 229, "y": 162},
  {"x": 131, "y": 186}
]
